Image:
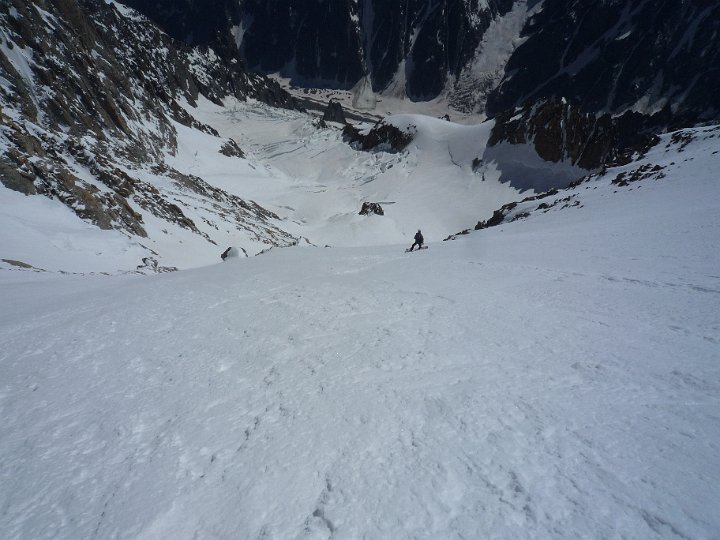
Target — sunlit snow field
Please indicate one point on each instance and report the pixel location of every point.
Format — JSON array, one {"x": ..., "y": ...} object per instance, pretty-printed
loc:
[{"x": 557, "y": 377}]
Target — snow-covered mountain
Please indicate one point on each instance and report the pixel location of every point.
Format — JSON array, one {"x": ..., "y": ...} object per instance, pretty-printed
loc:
[
  {"x": 168, "y": 154},
  {"x": 552, "y": 377},
  {"x": 616, "y": 56},
  {"x": 178, "y": 152},
  {"x": 93, "y": 100},
  {"x": 549, "y": 371},
  {"x": 477, "y": 56},
  {"x": 412, "y": 48}
]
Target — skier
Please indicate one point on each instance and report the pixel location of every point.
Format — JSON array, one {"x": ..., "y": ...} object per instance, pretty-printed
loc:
[{"x": 418, "y": 241}]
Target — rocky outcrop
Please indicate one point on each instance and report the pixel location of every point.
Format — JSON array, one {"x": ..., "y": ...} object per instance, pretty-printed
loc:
[
  {"x": 231, "y": 149},
  {"x": 89, "y": 93},
  {"x": 232, "y": 253},
  {"x": 505, "y": 213},
  {"x": 381, "y": 137},
  {"x": 17, "y": 177},
  {"x": 334, "y": 113},
  {"x": 560, "y": 131},
  {"x": 369, "y": 208}
]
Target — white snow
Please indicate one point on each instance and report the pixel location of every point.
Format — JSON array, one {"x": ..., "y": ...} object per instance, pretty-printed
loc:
[
  {"x": 555, "y": 377},
  {"x": 21, "y": 58},
  {"x": 45, "y": 234},
  {"x": 363, "y": 97},
  {"x": 485, "y": 71},
  {"x": 313, "y": 179},
  {"x": 126, "y": 11},
  {"x": 625, "y": 35}
]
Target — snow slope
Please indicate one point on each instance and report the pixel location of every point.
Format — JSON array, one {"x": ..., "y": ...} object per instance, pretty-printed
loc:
[
  {"x": 175, "y": 184},
  {"x": 39, "y": 232},
  {"x": 311, "y": 177},
  {"x": 554, "y": 377},
  {"x": 313, "y": 180},
  {"x": 89, "y": 115}
]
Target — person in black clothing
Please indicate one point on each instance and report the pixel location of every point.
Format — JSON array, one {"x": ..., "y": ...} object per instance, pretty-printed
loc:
[{"x": 418, "y": 240}]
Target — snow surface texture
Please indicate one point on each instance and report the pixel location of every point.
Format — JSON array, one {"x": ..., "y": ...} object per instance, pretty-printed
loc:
[{"x": 554, "y": 377}]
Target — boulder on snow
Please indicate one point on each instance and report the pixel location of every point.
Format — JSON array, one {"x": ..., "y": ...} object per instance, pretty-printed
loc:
[
  {"x": 230, "y": 253},
  {"x": 231, "y": 149},
  {"x": 371, "y": 208}
]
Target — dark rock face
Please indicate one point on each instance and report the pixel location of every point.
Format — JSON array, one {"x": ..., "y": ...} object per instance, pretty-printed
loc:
[
  {"x": 609, "y": 56},
  {"x": 604, "y": 57},
  {"x": 337, "y": 42},
  {"x": 447, "y": 35},
  {"x": 562, "y": 132},
  {"x": 425, "y": 41},
  {"x": 314, "y": 41},
  {"x": 614, "y": 56},
  {"x": 334, "y": 113},
  {"x": 382, "y": 136},
  {"x": 319, "y": 38},
  {"x": 196, "y": 22}
]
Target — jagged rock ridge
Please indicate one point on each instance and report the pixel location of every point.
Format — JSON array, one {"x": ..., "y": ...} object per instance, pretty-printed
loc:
[
  {"x": 650, "y": 164},
  {"x": 90, "y": 94},
  {"x": 559, "y": 131}
]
